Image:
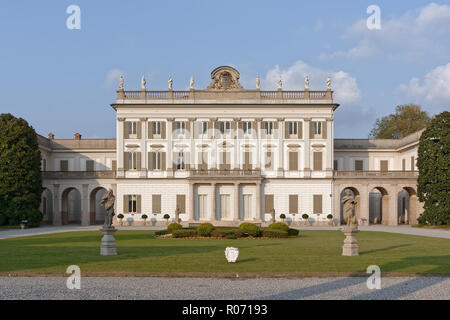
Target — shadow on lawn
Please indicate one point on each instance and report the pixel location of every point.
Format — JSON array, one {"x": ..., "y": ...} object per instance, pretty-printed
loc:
[{"x": 384, "y": 249}]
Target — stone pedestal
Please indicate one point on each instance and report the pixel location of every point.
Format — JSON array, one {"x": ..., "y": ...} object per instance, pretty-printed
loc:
[
  {"x": 108, "y": 246},
  {"x": 350, "y": 247}
]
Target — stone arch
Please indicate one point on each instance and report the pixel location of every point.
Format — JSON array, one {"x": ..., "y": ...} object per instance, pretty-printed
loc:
[
  {"x": 96, "y": 211},
  {"x": 46, "y": 206},
  {"x": 407, "y": 205},
  {"x": 378, "y": 205},
  {"x": 71, "y": 206},
  {"x": 357, "y": 195}
]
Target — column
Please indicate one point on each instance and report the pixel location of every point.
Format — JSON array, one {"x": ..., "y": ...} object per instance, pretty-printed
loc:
[
  {"x": 213, "y": 202},
  {"x": 236, "y": 202},
  {"x": 393, "y": 213},
  {"x": 258, "y": 143},
  {"x": 144, "y": 160},
  {"x": 169, "y": 151},
  {"x": 85, "y": 217},
  {"x": 306, "y": 130},
  {"x": 280, "y": 149},
  {"x": 191, "y": 196},
  {"x": 364, "y": 205},
  {"x": 236, "y": 144},
  {"x": 329, "y": 155},
  {"x": 191, "y": 143},
  {"x": 258, "y": 201},
  {"x": 119, "y": 154},
  {"x": 56, "y": 206},
  {"x": 337, "y": 202}
]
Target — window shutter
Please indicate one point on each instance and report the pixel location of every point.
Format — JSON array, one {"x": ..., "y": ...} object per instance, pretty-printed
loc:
[
  {"x": 293, "y": 161},
  {"x": 163, "y": 161},
  {"x": 113, "y": 165},
  {"x": 275, "y": 129},
  {"x": 286, "y": 130},
  {"x": 324, "y": 129},
  {"x": 89, "y": 165},
  {"x": 358, "y": 165},
  {"x": 233, "y": 129},
  {"x": 156, "y": 203},
  {"x": 163, "y": 130},
  {"x": 125, "y": 129},
  {"x": 64, "y": 165},
  {"x": 317, "y": 161},
  {"x": 293, "y": 203},
  {"x": 254, "y": 129},
  {"x": 403, "y": 164},
  {"x": 150, "y": 161},
  {"x": 150, "y": 130},
  {"x": 125, "y": 160},
  {"x": 188, "y": 129},
  {"x": 268, "y": 160},
  {"x": 138, "y": 129},
  {"x": 412, "y": 163},
  {"x": 311, "y": 129},
  {"x": 268, "y": 203},
  {"x": 335, "y": 163},
  {"x": 125, "y": 204},
  {"x": 317, "y": 203},
  {"x": 181, "y": 202},
  {"x": 300, "y": 130},
  {"x": 210, "y": 129},
  {"x": 138, "y": 203},
  {"x": 138, "y": 161},
  {"x": 384, "y": 165},
  {"x": 240, "y": 129}
]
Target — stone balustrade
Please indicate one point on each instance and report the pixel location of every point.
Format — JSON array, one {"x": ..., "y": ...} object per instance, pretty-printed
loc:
[{"x": 376, "y": 174}]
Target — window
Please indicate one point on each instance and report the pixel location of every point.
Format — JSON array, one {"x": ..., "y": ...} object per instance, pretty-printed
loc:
[
  {"x": 44, "y": 165},
  {"x": 202, "y": 206},
  {"x": 247, "y": 206},
  {"x": 247, "y": 127},
  {"x": 384, "y": 165},
  {"x": 317, "y": 161},
  {"x": 268, "y": 127},
  {"x": 293, "y": 160},
  {"x": 317, "y": 128},
  {"x": 181, "y": 127},
  {"x": 412, "y": 163},
  {"x": 156, "y": 161},
  {"x": 202, "y": 128},
  {"x": 132, "y": 129},
  {"x": 293, "y": 128},
  {"x": 156, "y": 128},
  {"x": 156, "y": 203},
  {"x": 317, "y": 205},
  {"x": 358, "y": 165},
  {"x": 335, "y": 165},
  {"x": 293, "y": 203},
  {"x": 268, "y": 203},
  {"x": 132, "y": 203},
  {"x": 403, "y": 164},
  {"x": 269, "y": 160},
  {"x": 89, "y": 165},
  {"x": 64, "y": 165},
  {"x": 114, "y": 165},
  {"x": 247, "y": 160},
  {"x": 225, "y": 205},
  {"x": 225, "y": 127},
  {"x": 132, "y": 160},
  {"x": 181, "y": 203},
  {"x": 181, "y": 165}
]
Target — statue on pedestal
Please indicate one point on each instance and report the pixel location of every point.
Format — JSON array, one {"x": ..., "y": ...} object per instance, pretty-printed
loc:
[
  {"x": 349, "y": 205},
  {"x": 108, "y": 202},
  {"x": 272, "y": 212}
]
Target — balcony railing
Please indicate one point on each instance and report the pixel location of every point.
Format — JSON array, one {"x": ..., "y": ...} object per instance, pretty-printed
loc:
[
  {"x": 79, "y": 174},
  {"x": 224, "y": 94},
  {"x": 376, "y": 174},
  {"x": 232, "y": 173}
]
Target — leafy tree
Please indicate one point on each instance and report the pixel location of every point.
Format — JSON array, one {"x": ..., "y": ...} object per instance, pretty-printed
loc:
[
  {"x": 407, "y": 119},
  {"x": 434, "y": 178},
  {"x": 20, "y": 173}
]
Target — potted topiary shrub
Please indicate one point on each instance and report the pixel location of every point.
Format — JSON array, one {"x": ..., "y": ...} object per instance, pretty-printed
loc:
[
  {"x": 282, "y": 216},
  {"x": 144, "y": 216},
  {"x": 167, "y": 217},
  {"x": 330, "y": 219},
  {"x": 23, "y": 224},
  {"x": 120, "y": 217},
  {"x": 305, "y": 217}
]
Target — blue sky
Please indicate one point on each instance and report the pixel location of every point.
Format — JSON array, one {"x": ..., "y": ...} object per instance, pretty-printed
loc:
[{"x": 62, "y": 80}]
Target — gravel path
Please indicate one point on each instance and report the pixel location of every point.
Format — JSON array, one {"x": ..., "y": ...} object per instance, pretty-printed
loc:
[
  {"x": 436, "y": 233},
  {"x": 249, "y": 289}
]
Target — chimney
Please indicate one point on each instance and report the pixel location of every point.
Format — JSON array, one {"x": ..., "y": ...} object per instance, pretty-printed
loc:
[
  {"x": 77, "y": 136},
  {"x": 51, "y": 136}
]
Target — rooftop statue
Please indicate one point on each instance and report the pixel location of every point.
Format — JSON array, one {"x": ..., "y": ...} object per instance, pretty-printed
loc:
[
  {"x": 170, "y": 83},
  {"x": 143, "y": 82},
  {"x": 306, "y": 82},
  {"x": 191, "y": 83},
  {"x": 280, "y": 84},
  {"x": 258, "y": 83},
  {"x": 328, "y": 83},
  {"x": 121, "y": 83}
]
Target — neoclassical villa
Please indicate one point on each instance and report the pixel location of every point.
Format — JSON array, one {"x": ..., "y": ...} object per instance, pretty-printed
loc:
[{"x": 226, "y": 154}]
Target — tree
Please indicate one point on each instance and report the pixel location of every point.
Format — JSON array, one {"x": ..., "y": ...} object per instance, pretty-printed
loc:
[
  {"x": 407, "y": 119},
  {"x": 433, "y": 184},
  {"x": 20, "y": 172}
]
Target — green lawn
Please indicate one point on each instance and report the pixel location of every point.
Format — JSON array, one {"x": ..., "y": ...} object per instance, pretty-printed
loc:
[{"x": 140, "y": 253}]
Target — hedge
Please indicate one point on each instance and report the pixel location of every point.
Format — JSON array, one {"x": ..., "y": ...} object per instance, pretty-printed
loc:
[
  {"x": 174, "y": 226},
  {"x": 221, "y": 233},
  {"x": 274, "y": 233},
  {"x": 250, "y": 229},
  {"x": 205, "y": 229},
  {"x": 292, "y": 232},
  {"x": 160, "y": 232},
  {"x": 279, "y": 226},
  {"x": 183, "y": 233}
]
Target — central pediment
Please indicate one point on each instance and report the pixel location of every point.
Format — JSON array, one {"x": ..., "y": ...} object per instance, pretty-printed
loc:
[{"x": 224, "y": 78}]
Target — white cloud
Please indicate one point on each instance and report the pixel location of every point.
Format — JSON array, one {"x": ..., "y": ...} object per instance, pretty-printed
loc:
[
  {"x": 293, "y": 78},
  {"x": 418, "y": 33},
  {"x": 112, "y": 78},
  {"x": 433, "y": 90}
]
